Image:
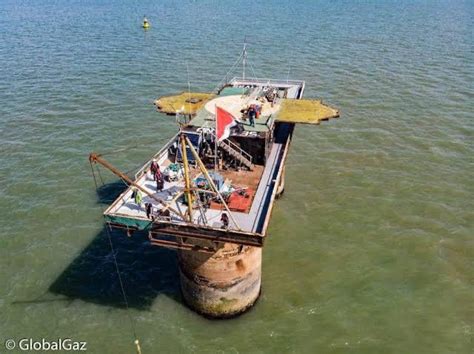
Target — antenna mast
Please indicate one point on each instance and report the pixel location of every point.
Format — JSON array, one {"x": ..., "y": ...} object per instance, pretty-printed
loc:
[{"x": 244, "y": 60}]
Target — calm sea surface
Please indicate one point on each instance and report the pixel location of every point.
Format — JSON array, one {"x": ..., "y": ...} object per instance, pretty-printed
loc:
[{"x": 369, "y": 251}]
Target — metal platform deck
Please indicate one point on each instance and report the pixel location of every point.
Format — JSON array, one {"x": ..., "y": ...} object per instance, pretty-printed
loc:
[{"x": 252, "y": 226}]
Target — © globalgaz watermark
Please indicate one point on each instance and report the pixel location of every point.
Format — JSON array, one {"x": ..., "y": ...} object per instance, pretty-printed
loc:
[{"x": 44, "y": 345}]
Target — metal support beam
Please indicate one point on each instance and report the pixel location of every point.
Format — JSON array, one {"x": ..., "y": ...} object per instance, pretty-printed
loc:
[
  {"x": 181, "y": 246},
  {"x": 203, "y": 233},
  {"x": 187, "y": 183}
]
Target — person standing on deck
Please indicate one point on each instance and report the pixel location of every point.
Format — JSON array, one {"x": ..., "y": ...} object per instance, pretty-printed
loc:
[
  {"x": 225, "y": 221},
  {"x": 137, "y": 196},
  {"x": 157, "y": 175},
  {"x": 154, "y": 167},
  {"x": 252, "y": 115},
  {"x": 160, "y": 181},
  {"x": 148, "y": 210}
]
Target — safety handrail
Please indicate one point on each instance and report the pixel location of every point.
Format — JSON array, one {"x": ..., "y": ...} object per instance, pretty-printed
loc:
[{"x": 146, "y": 166}]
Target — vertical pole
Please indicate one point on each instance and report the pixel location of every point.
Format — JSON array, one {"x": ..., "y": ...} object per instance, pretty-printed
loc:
[
  {"x": 189, "y": 90},
  {"x": 186, "y": 178},
  {"x": 244, "y": 60}
]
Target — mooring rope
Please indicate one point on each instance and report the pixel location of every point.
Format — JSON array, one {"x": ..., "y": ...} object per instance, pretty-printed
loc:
[
  {"x": 124, "y": 294},
  {"x": 93, "y": 175},
  {"x": 122, "y": 287},
  {"x": 100, "y": 175}
]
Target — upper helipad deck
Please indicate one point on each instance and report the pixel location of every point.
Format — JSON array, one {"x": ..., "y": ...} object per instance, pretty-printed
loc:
[{"x": 238, "y": 94}]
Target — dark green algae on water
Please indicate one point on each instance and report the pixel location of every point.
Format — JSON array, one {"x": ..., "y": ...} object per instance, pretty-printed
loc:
[{"x": 370, "y": 250}]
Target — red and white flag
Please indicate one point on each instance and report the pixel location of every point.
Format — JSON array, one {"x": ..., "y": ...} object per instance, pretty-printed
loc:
[{"x": 224, "y": 121}]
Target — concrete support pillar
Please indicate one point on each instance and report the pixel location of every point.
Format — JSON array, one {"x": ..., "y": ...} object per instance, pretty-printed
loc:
[
  {"x": 223, "y": 284},
  {"x": 281, "y": 184}
]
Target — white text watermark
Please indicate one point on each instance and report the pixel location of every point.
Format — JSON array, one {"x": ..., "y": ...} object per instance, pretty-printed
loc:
[{"x": 44, "y": 345}]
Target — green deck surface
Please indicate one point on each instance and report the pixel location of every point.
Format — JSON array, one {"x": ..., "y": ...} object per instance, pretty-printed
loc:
[{"x": 230, "y": 91}]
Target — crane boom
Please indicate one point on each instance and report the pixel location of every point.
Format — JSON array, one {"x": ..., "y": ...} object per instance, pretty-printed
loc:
[{"x": 96, "y": 158}]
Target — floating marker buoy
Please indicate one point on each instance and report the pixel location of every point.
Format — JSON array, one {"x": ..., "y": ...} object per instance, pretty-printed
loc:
[{"x": 146, "y": 24}]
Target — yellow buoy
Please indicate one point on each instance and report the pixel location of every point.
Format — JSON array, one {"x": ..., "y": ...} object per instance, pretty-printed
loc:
[{"x": 146, "y": 24}]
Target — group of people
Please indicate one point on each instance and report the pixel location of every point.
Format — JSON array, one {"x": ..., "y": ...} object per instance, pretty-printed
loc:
[
  {"x": 207, "y": 144},
  {"x": 160, "y": 182},
  {"x": 159, "y": 178},
  {"x": 138, "y": 199}
]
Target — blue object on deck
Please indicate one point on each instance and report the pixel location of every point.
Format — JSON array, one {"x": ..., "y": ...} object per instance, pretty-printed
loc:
[{"x": 195, "y": 140}]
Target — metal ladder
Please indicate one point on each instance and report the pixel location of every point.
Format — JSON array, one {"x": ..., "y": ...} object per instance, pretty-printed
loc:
[{"x": 236, "y": 152}]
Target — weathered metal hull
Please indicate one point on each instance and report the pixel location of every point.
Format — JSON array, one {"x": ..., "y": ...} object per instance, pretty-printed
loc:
[{"x": 223, "y": 284}]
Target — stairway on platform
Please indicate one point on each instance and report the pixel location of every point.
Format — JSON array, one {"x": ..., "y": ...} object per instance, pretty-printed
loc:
[{"x": 237, "y": 153}]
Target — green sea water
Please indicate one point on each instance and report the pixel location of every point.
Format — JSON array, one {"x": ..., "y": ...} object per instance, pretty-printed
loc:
[{"x": 369, "y": 251}]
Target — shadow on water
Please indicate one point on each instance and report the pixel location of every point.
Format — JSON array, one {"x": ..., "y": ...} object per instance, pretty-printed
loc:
[
  {"x": 146, "y": 270},
  {"x": 108, "y": 192}
]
